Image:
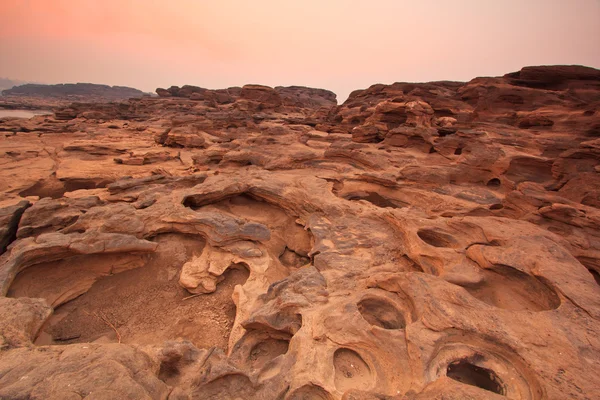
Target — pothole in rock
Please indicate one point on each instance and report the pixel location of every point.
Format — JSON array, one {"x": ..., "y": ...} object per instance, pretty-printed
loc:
[
  {"x": 489, "y": 365},
  {"x": 508, "y": 288},
  {"x": 376, "y": 194},
  {"x": 596, "y": 275},
  {"x": 290, "y": 258},
  {"x": 259, "y": 347},
  {"x": 382, "y": 313},
  {"x": 310, "y": 392},
  {"x": 144, "y": 305},
  {"x": 55, "y": 188},
  {"x": 436, "y": 238},
  {"x": 591, "y": 265},
  {"x": 469, "y": 374},
  {"x": 289, "y": 240},
  {"x": 265, "y": 351},
  {"x": 494, "y": 183},
  {"x": 375, "y": 199},
  {"x": 351, "y": 371}
]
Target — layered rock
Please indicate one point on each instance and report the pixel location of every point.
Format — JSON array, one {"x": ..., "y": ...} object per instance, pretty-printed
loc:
[{"x": 419, "y": 241}]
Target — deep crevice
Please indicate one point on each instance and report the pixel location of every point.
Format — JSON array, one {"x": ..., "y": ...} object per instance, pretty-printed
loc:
[{"x": 467, "y": 373}]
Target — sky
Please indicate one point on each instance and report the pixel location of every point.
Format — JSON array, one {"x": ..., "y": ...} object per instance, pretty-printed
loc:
[{"x": 340, "y": 45}]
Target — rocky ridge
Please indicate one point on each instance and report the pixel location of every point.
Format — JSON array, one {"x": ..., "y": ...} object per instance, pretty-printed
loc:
[{"x": 418, "y": 241}]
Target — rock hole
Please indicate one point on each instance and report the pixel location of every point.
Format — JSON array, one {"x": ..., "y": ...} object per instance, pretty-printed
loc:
[
  {"x": 55, "y": 188},
  {"x": 467, "y": 373},
  {"x": 436, "y": 238},
  {"x": 310, "y": 392},
  {"x": 458, "y": 151},
  {"x": 169, "y": 370},
  {"x": 508, "y": 288},
  {"x": 266, "y": 350},
  {"x": 145, "y": 303},
  {"x": 443, "y": 112},
  {"x": 494, "y": 183},
  {"x": 78, "y": 184},
  {"x": 381, "y": 313},
  {"x": 351, "y": 371},
  {"x": 596, "y": 275},
  {"x": 446, "y": 131},
  {"x": 497, "y": 206},
  {"x": 374, "y": 198},
  {"x": 52, "y": 188},
  {"x": 290, "y": 258}
]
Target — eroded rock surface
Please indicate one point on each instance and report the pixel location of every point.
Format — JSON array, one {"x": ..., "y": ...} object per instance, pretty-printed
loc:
[{"x": 419, "y": 241}]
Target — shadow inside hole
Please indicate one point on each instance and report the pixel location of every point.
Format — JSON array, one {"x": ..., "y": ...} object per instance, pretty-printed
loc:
[
  {"x": 508, "y": 288},
  {"x": 467, "y": 373},
  {"x": 436, "y": 238},
  {"x": 494, "y": 183},
  {"x": 351, "y": 371},
  {"x": 310, "y": 392},
  {"x": 267, "y": 350},
  {"x": 374, "y": 198},
  {"x": 290, "y": 258},
  {"x": 381, "y": 313},
  {"x": 596, "y": 275}
]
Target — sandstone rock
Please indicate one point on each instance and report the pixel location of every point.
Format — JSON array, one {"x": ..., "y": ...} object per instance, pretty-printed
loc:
[
  {"x": 418, "y": 241},
  {"x": 163, "y": 92},
  {"x": 265, "y": 95},
  {"x": 9, "y": 222}
]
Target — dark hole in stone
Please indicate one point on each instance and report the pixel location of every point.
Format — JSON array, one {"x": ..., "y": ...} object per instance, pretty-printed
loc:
[
  {"x": 496, "y": 206},
  {"x": 381, "y": 313},
  {"x": 436, "y": 238},
  {"x": 467, "y": 373},
  {"x": 594, "y": 131},
  {"x": 168, "y": 370},
  {"x": 494, "y": 183},
  {"x": 446, "y": 131},
  {"x": 310, "y": 392},
  {"x": 374, "y": 198},
  {"x": 443, "y": 112},
  {"x": 290, "y": 258},
  {"x": 432, "y": 150},
  {"x": 458, "y": 151},
  {"x": 596, "y": 275}
]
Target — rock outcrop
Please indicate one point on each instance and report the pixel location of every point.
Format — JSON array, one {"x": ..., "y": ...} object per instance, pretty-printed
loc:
[{"x": 419, "y": 241}]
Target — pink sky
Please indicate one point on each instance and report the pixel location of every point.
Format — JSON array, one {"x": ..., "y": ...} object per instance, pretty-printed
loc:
[{"x": 339, "y": 45}]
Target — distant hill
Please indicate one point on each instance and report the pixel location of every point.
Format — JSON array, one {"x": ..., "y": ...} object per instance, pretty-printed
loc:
[
  {"x": 6, "y": 83},
  {"x": 74, "y": 90}
]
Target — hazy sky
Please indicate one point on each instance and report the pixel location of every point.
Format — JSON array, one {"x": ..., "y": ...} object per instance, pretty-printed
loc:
[{"x": 339, "y": 45}]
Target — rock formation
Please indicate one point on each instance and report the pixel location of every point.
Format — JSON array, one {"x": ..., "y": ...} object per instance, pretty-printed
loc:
[{"x": 419, "y": 241}]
